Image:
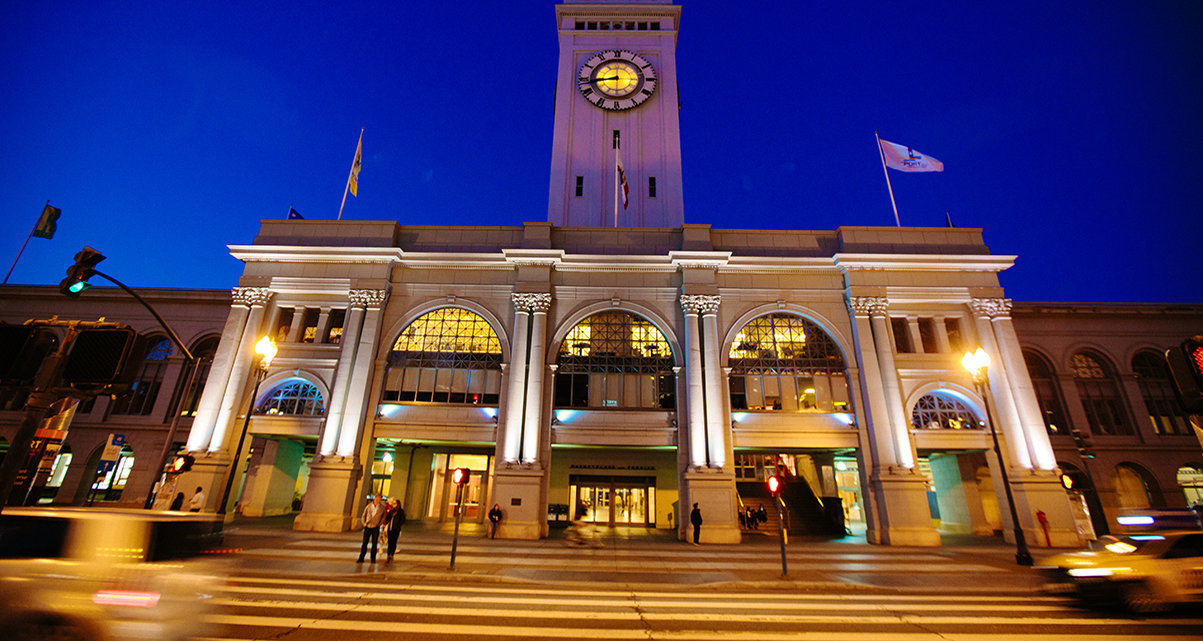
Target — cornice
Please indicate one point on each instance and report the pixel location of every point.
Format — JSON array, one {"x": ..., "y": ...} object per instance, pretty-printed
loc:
[
  {"x": 304, "y": 254},
  {"x": 924, "y": 262}
]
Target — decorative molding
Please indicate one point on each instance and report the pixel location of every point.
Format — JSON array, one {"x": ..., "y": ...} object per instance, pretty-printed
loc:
[
  {"x": 532, "y": 303},
  {"x": 869, "y": 305},
  {"x": 368, "y": 297},
  {"x": 251, "y": 296},
  {"x": 700, "y": 304},
  {"x": 991, "y": 307}
]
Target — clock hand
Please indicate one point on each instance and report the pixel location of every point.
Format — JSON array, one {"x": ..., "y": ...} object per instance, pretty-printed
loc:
[{"x": 604, "y": 79}]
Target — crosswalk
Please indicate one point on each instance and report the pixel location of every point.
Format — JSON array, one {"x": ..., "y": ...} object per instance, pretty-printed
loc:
[{"x": 385, "y": 607}]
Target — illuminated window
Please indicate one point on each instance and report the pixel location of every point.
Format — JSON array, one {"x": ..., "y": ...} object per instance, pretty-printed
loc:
[
  {"x": 295, "y": 397},
  {"x": 449, "y": 355},
  {"x": 1047, "y": 393},
  {"x": 937, "y": 411},
  {"x": 140, "y": 400},
  {"x": 1157, "y": 389},
  {"x": 615, "y": 359},
  {"x": 334, "y": 333},
  {"x": 1099, "y": 392},
  {"x": 110, "y": 484},
  {"x": 786, "y": 362}
]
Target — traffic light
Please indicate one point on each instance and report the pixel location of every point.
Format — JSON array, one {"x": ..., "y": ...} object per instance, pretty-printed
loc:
[
  {"x": 22, "y": 350},
  {"x": 1082, "y": 440},
  {"x": 79, "y": 273},
  {"x": 1186, "y": 368},
  {"x": 104, "y": 356},
  {"x": 775, "y": 484},
  {"x": 461, "y": 475},
  {"x": 181, "y": 463}
]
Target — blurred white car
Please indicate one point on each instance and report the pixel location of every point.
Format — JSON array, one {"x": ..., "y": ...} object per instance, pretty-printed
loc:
[
  {"x": 1143, "y": 572},
  {"x": 104, "y": 574}
]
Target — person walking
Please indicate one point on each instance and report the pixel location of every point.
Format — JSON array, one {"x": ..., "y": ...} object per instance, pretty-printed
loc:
[
  {"x": 373, "y": 515},
  {"x": 695, "y": 517},
  {"x": 178, "y": 503},
  {"x": 394, "y": 521},
  {"x": 494, "y": 519},
  {"x": 197, "y": 502}
]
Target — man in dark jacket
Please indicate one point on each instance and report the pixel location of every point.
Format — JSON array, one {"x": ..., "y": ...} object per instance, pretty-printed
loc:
[
  {"x": 395, "y": 519},
  {"x": 695, "y": 517}
]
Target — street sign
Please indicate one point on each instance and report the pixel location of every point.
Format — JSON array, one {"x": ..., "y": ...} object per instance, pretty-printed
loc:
[{"x": 112, "y": 448}]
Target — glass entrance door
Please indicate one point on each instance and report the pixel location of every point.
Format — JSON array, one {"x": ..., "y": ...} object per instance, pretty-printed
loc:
[{"x": 613, "y": 501}]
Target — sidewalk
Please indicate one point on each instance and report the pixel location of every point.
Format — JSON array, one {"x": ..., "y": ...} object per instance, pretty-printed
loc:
[{"x": 635, "y": 556}]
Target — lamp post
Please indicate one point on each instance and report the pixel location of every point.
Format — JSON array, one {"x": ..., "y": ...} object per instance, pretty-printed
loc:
[
  {"x": 978, "y": 363},
  {"x": 265, "y": 350}
]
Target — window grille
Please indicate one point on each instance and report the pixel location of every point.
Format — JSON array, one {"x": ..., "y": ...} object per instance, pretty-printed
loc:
[
  {"x": 295, "y": 397},
  {"x": 785, "y": 362},
  {"x": 1157, "y": 389},
  {"x": 615, "y": 359},
  {"x": 938, "y": 411},
  {"x": 449, "y": 355},
  {"x": 1100, "y": 395}
]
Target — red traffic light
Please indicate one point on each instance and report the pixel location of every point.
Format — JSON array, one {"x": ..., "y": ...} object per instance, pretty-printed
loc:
[
  {"x": 182, "y": 463},
  {"x": 460, "y": 475},
  {"x": 775, "y": 483}
]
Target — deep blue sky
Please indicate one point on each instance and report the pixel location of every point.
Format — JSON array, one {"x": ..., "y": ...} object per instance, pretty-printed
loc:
[{"x": 1070, "y": 131}]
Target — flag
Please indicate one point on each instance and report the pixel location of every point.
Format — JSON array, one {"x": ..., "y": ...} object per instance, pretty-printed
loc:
[
  {"x": 353, "y": 181},
  {"x": 294, "y": 214},
  {"x": 622, "y": 179},
  {"x": 46, "y": 222},
  {"x": 907, "y": 159}
]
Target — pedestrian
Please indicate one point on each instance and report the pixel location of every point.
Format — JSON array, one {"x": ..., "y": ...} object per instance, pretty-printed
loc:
[
  {"x": 494, "y": 519},
  {"x": 394, "y": 521},
  {"x": 695, "y": 517},
  {"x": 197, "y": 502},
  {"x": 762, "y": 515},
  {"x": 178, "y": 503},
  {"x": 373, "y": 515}
]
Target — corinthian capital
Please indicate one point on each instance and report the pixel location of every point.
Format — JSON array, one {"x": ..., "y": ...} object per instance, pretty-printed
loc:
[
  {"x": 367, "y": 297},
  {"x": 991, "y": 307},
  {"x": 251, "y": 296},
  {"x": 699, "y": 304},
  {"x": 869, "y": 305},
  {"x": 534, "y": 303}
]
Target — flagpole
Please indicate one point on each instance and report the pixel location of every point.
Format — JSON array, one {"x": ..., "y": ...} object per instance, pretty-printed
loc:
[
  {"x": 348, "y": 187},
  {"x": 617, "y": 151},
  {"x": 887, "y": 173},
  {"x": 14, "y": 265}
]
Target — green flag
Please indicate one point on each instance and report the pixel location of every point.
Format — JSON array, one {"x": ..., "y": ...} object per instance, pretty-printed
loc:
[{"x": 46, "y": 222}]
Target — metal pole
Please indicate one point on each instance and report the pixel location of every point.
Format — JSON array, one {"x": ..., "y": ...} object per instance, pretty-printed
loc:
[
  {"x": 459, "y": 513},
  {"x": 781, "y": 535},
  {"x": 1022, "y": 555},
  {"x": 225, "y": 497},
  {"x": 193, "y": 365}
]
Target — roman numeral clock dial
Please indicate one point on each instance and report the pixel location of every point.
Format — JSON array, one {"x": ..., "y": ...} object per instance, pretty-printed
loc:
[{"x": 617, "y": 80}]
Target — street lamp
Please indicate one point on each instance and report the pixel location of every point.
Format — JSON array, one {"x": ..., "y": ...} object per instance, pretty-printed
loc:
[
  {"x": 265, "y": 351},
  {"x": 977, "y": 364}
]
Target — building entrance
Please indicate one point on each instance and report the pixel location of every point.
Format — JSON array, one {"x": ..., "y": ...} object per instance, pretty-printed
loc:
[{"x": 614, "y": 500}]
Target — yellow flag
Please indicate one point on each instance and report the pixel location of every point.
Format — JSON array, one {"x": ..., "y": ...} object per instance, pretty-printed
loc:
[{"x": 353, "y": 182}]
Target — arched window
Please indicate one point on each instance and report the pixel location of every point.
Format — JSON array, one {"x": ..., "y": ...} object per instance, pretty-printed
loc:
[
  {"x": 1131, "y": 488},
  {"x": 1100, "y": 395},
  {"x": 294, "y": 397},
  {"x": 1157, "y": 389},
  {"x": 1047, "y": 393},
  {"x": 785, "y": 362},
  {"x": 941, "y": 411},
  {"x": 449, "y": 355},
  {"x": 615, "y": 359},
  {"x": 140, "y": 400},
  {"x": 203, "y": 352}
]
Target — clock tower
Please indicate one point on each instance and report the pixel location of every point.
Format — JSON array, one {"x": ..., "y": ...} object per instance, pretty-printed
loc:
[{"x": 616, "y": 106}]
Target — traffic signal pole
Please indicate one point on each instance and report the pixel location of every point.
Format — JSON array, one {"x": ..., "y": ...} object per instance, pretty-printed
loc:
[
  {"x": 36, "y": 405},
  {"x": 459, "y": 514}
]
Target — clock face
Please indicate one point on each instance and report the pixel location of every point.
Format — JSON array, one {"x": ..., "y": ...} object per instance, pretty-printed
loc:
[{"x": 617, "y": 79}]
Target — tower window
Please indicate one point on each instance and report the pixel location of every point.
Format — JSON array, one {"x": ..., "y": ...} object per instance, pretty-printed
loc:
[
  {"x": 651, "y": 186},
  {"x": 580, "y": 26},
  {"x": 580, "y": 186},
  {"x": 902, "y": 335}
]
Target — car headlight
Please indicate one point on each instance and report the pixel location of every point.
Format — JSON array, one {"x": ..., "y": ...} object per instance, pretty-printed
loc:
[{"x": 1080, "y": 573}]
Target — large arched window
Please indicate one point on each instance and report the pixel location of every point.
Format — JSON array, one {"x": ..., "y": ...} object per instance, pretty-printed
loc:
[
  {"x": 203, "y": 353},
  {"x": 1157, "y": 389},
  {"x": 1131, "y": 486},
  {"x": 942, "y": 411},
  {"x": 1100, "y": 395},
  {"x": 294, "y": 397},
  {"x": 449, "y": 355},
  {"x": 1047, "y": 393},
  {"x": 786, "y": 362},
  {"x": 140, "y": 400},
  {"x": 615, "y": 359}
]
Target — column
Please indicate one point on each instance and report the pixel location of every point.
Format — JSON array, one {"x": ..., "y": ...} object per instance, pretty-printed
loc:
[
  {"x": 243, "y": 355},
  {"x": 533, "y": 403},
  {"x": 511, "y": 424},
  {"x": 694, "y": 399},
  {"x": 323, "y": 322},
  {"x": 223, "y": 362},
  {"x": 298, "y": 320},
  {"x": 717, "y": 429},
  {"x": 351, "y": 429},
  {"x": 342, "y": 379},
  {"x": 941, "y": 330},
  {"x": 1031, "y": 419},
  {"x": 873, "y": 405},
  {"x": 895, "y": 414},
  {"x": 1008, "y": 422}
]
